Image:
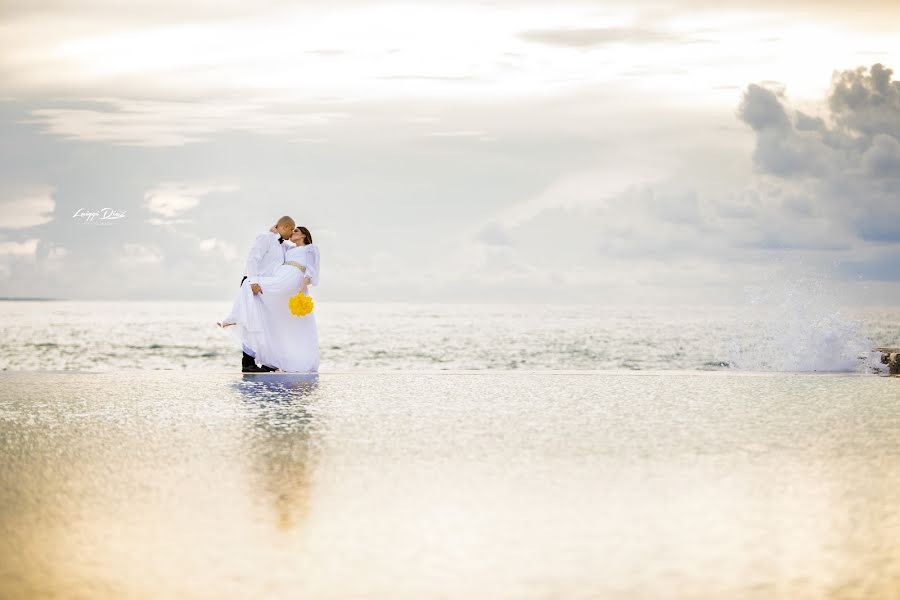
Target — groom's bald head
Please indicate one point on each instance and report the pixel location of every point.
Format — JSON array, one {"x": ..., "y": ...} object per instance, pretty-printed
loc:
[{"x": 285, "y": 227}]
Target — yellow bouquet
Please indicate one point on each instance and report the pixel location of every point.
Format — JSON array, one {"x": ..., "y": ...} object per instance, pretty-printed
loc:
[{"x": 300, "y": 305}]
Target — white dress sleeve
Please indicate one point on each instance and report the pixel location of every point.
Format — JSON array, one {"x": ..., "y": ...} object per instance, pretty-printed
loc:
[{"x": 312, "y": 264}]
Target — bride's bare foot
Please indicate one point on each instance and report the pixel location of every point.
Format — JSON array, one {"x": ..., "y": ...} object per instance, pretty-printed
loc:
[{"x": 224, "y": 325}]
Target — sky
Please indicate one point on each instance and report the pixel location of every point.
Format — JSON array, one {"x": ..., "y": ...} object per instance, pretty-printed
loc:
[{"x": 674, "y": 152}]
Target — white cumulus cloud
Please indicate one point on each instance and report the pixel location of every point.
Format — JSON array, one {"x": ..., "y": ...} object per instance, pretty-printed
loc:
[
  {"x": 216, "y": 246},
  {"x": 19, "y": 249},
  {"x": 171, "y": 199},
  {"x": 26, "y": 206},
  {"x": 12, "y": 252}
]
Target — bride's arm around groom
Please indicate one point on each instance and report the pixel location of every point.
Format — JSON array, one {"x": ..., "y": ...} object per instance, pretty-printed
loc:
[{"x": 311, "y": 276}]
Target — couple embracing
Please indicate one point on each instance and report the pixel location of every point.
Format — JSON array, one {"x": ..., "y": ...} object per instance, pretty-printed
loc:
[{"x": 282, "y": 263}]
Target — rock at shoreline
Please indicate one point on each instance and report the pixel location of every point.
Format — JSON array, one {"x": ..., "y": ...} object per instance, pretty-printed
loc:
[{"x": 890, "y": 357}]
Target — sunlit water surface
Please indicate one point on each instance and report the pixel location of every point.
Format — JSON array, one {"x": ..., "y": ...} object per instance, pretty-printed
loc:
[
  {"x": 796, "y": 335},
  {"x": 402, "y": 485}
]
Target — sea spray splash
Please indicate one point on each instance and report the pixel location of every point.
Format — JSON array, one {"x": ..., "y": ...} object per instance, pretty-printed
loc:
[{"x": 795, "y": 324}]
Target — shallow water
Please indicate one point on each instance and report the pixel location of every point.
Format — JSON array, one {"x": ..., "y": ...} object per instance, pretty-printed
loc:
[
  {"x": 456, "y": 485},
  {"x": 800, "y": 336}
]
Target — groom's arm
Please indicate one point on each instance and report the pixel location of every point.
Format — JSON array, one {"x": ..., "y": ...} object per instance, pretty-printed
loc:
[{"x": 257, "y": 251}]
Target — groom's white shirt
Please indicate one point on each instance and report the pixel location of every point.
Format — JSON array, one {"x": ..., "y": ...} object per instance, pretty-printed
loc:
[{"x": 265, "y": 255}]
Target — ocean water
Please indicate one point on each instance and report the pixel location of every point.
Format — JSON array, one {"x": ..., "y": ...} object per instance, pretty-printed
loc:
[
  {"x": 104, "y": 336},
  {"x": 413, "y": 485}
]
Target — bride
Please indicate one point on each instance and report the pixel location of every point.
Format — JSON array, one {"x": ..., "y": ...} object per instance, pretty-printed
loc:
[{"x": 264, "y": 322}]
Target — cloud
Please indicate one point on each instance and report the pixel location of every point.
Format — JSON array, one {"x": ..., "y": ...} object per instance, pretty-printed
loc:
[
  {"x": 168, "y": 203},
  {"x": 215, "y": 246},
  {"x": 783, "y": 148},
  {"x": 819, "y": 188},
  {"x": 12, "y": 252},
  {"x": 463, "y": 133},
  {"x": 449, "y": 78},
  {"x": 139, "y": 255},
  {"x": 28, "y": 248},
  {"x": 51, "y": 258},
  {"x": 56, "y": 253},
  {"x": 168, "y": 222},
  {"x": 39, "y": 258},
  {"x": 161, "y": 11},
  {"x": 172, "y": 198},
  {"x": 597, "y": 36},
  {"x": 520, "y": 199},
  {"x": 161, "y": 123},
  {"x": 866, "y": 101},
  {"x": 761, "y": 109},
  {"x": 882, "y": 159},
  {"x": 850, "y": 169},
  {"x": 26, "y": 206}
]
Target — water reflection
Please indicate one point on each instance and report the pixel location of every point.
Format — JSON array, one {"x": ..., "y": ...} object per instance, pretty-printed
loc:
[
  {"x": 277, "y": 387},
  {"x": 190, "y": 485},
  {"x": 282, "y": 441}
]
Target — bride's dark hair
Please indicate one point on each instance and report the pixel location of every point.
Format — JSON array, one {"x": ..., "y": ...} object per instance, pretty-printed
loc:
[{"x": 306, "y": 233}]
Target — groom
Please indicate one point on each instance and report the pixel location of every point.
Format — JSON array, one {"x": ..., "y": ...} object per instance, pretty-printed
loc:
[{"x": 265, "y": 255}]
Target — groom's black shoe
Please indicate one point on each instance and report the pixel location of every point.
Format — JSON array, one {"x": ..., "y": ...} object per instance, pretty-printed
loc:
[
  {"x": 255, "y": 369},
  {"x": 248, "y": 365}
]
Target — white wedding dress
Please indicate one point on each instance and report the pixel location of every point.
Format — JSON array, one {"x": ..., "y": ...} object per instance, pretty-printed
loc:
[{"x": 264, "y": 322}]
